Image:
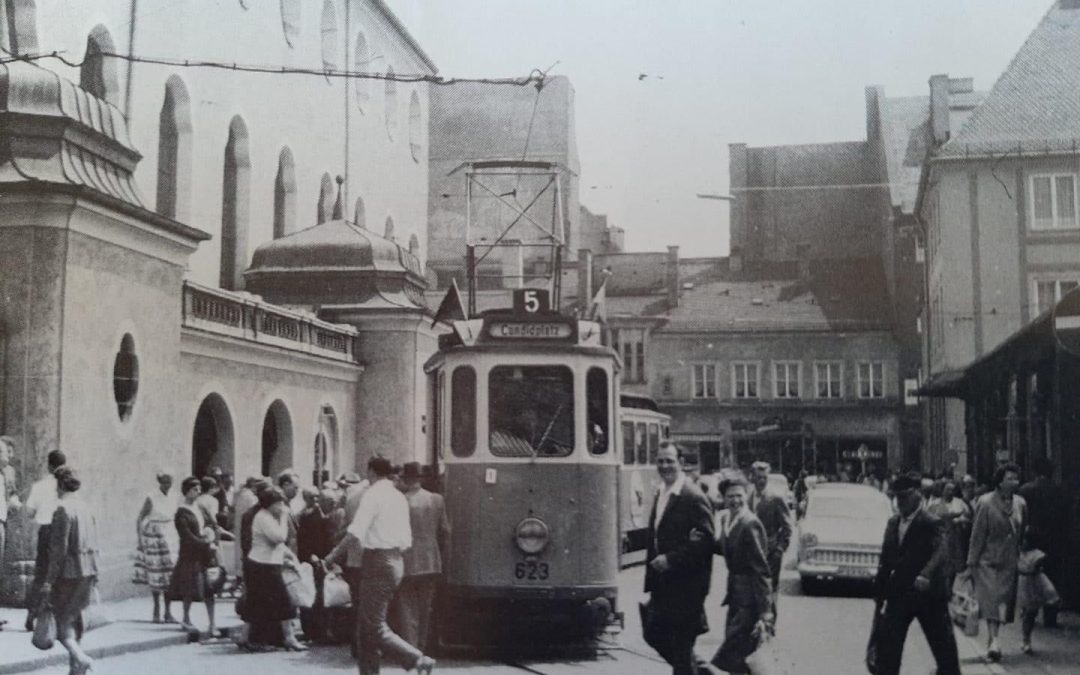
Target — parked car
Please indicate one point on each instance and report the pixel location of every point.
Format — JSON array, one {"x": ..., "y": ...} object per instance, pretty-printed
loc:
[
  {"x": 841, "y": 535},
  {"x": 778, "y": 484}
]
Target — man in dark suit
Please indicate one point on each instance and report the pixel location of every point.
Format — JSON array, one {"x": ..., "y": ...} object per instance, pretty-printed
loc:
[
  {"x": 679, "y": 564},
  {"x": 911, "y": 582},
  {"x": 774, "y": 514}
]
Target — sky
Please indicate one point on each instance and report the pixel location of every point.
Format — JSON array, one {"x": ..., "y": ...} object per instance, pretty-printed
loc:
[{"x": 717, "y": 72}]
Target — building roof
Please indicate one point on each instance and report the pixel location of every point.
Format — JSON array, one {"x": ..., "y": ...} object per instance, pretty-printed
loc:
[
  {"x": 905, "y": 124},
  {"x": 1035, "y": 104},
  {"x": 840, "y": 164},
  {"x": 336, "y": 245},
  {"x": 385, "y": 10}
]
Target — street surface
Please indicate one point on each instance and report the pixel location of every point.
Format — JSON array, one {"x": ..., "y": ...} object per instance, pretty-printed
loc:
[{"x": 821, "y": 634}]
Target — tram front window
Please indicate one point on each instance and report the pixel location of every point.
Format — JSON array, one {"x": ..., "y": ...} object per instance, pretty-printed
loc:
[{"x": 531, "y": 411}]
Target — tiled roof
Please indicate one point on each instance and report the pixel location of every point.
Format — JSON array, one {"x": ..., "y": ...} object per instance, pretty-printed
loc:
[{"x": 1035, "y": 104}]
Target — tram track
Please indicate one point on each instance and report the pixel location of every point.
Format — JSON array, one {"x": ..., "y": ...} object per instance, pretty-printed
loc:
[{"x": 611, "y": 651}]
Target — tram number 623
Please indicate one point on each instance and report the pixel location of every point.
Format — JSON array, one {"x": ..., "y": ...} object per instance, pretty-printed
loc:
[{"x": 531, "y": 570}]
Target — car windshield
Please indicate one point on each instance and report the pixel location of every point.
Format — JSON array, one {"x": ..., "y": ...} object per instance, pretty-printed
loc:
[{"x": 853, "y": 508}]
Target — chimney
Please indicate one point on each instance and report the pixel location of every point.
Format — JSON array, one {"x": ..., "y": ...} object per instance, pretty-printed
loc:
[
  {"x": 961, "y": 85},
  {"x": 874, "y": 95},
  {"x": 671, "y": 276},
  {"x": 939, "y": 108},
  {"x": 735, "y": 260},
  {"x": 738, "y": 177},
  {"x": 802, "y": 252},
  {"x": 584, "y": 279}
]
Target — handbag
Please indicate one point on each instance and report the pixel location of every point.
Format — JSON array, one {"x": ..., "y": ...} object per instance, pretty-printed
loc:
[
  {"x": 767, "y": 659},
  {"x": 96, "y": 614},
  {"x": 875, "y": 637},
  {"x": 336, "y": 591},
  {"x": 44, "y": 629},
  {"x": 963, "y": 607},
  {"x": 300, "y": 583},
  {"x": 215, "y": 578}
]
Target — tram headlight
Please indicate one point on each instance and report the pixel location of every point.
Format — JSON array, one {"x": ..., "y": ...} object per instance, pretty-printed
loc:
[{"x": 531, "y": 536}]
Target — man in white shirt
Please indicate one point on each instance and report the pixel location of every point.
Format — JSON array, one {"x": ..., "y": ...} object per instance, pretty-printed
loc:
[
  {"x": 40, "y": 505},
  {"x": 381, "y": 526}
]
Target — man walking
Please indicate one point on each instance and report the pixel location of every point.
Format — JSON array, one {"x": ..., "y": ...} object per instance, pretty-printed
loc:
[
  {"x": 381, "y": 526},
  {"x": 8, "y": 497},
  {"x": 40, "y": 504},
  {"x": 1048, "y": 518},
  {"x": 911, "y": 582},
  {"x": 679, "y": 564},
  {"x": 423, "y": 562},
  {"x": 774, "y": 514}
]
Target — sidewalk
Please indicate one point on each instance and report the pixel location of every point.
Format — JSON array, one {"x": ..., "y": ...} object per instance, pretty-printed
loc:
[
  {"x": 1057, "y": 650},
  {"x": 130, "y": 631}
]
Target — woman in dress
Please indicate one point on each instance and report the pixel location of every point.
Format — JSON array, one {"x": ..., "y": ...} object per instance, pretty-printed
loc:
[
  {"x": 157, "y": 543},
  {"x": 742, "y": 542},
  {"x": 996, "y": 533},
  {"x": 72, "y": 572},
  {"x": 266, "y": 597},
  {"x": 188, "y": 582}
]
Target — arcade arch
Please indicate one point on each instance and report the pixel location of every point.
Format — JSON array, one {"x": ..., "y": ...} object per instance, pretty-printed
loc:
[
  {"x": 277, "y": 439},
  {"x": 213, "y": 437}
]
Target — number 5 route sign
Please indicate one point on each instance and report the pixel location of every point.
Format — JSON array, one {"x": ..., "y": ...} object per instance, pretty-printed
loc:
[{"x": 532, "y": 301}]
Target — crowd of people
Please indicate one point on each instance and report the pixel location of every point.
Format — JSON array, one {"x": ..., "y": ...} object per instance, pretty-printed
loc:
[{"x": 998, "y": 539}]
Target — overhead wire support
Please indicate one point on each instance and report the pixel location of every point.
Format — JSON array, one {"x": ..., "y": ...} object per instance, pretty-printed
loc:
[{"x": 535, "y": 77}]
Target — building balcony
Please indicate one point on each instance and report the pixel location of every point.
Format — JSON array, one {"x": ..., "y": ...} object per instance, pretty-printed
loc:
[{"x": 247, "y": 317}]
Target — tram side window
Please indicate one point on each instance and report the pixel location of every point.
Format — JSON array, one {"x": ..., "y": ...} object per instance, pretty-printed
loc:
[
  {"x": 531, "y": 411},
  {"x": 640, "y": 444},
  {"x": 628, "y": 442},
  {"x": 654, "y": 442},
  {"x": 667, "y": 432},
  {"x": 596, "y": 399},
  {"x": 463, "y": 412}
]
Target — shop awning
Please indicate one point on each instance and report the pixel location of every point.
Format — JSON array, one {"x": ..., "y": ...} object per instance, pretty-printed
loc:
[
  {"x": 946, "y": 384},
  {"x": 698, "y": 438}
]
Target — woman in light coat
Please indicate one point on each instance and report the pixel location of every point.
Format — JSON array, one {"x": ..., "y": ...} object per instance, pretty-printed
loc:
[{"x": 996, "y": 533}]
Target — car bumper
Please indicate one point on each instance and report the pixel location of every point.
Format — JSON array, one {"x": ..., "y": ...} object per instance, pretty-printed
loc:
[{"x": 829, "y": 572}]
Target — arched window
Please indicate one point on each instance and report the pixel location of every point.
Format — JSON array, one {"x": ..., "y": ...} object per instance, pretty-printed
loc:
[
  {"x": 326, "y": 199},
  {"x": 361, "y": 63},
  {"x": 285, "y": 195},
  {"x": 389, "y": 231},
  {"x": 329, "y": 36},
  {"x": 416, "y": 127},
  {"x": 290, "y": 21},
  {"x": 125, "y": 377},
  {"x": 235, "y": 194},
  {"x": 414, "y": 245},
  {"x": 98, "y": 74},
  {"x": 390, "y": 103},
  {"x": 21, "y": 21},
  {"x": 174, "y": 152},
  {"x": 360, "y": 213}
]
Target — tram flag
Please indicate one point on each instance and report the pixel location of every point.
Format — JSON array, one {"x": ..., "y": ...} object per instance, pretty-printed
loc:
[
  {"x": 598, "y": 305},
  {"x": 451, "y": 306}
]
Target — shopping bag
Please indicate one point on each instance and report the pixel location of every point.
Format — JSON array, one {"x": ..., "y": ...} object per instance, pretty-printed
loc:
[
  {"x": 336, "y": 591},
  {"x": 215, "y": 578},
  {"x": 44, "y": 629},
  {"x": 96, "y": 613},
  {"x": 300, "y": 582},
  {"x": 1046, "y": 588},
  {"x": 767, "y": 659},
  {"x": 872, "y": 642},
  {"x": 963, "y": 608}
]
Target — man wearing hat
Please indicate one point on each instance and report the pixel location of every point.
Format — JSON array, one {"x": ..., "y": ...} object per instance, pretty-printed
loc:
[
  {"x": 911, "y": 582},
  {"x": 774, "y": 514},
  {"x": 423, "y": 562}
]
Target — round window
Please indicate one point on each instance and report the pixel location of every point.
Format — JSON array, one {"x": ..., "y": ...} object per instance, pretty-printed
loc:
[{"x": 125, "y": 377}]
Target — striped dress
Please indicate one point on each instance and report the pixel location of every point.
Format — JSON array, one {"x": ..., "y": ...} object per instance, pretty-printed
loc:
[{"x": 158, "y": 544}]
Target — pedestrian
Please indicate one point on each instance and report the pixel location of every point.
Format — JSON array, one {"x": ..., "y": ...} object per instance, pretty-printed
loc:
[
  {"x": 226, "y": 497},
  {"x": 996, "y": 533},
  {"x": 381, "y": 526},
  {"x": 289, "y": 483},
  {"x": 350, "y": 547},
  {"x": 678, "y": 564},
  {"x": 245, "y": 500},
  {"x": 953, "y": 513},
  {"x": 158, "y": 544},
  {"x": 772, "y": 510},
  {"x": 801, "y": 490},
  {"x": 1048, "y": 520},
  {"x": 266, "y": 596},
  {"x": 210, "y": 507},
  {"x": 256, "y": 635},
  {"x": 743, "y": 543},
  {"x": 188, "y": 583},
  {"x": 1034, "y": 590},
  {"x": 911, "y": 582},
  {"x": 73, "y": 566},
  {"x": 423, "y": 561},
  {"x": 963, "y": 523},
  {"x": 315, "y": 539},
  {"x": 40, "y": 505},
  {"x": 9, "y": 499}
]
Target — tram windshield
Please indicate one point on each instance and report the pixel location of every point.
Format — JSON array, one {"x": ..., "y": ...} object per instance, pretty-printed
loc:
[{"x": 531, "y": 411}]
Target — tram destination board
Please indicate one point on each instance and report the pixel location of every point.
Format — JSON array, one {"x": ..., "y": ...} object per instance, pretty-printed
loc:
[{"x": 532, "y": 328}]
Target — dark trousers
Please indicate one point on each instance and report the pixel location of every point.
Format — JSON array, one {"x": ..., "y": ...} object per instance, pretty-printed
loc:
[
  {"x": 380, "y": 575},
  {"x": 41, "y": 566},
  {"x": 672, "y": 632},
  {"x": 776, "y": 562},
  {"x": 933, "y": 615},
  {"x": 739, "y": 641}
]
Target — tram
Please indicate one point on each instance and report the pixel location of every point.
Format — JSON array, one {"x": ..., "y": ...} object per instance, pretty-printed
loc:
[
  {"x": 524, "y": 408},
  {"x": 643, "y": 427}
]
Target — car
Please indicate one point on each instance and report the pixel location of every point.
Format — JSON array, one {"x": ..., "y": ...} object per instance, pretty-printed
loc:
[
  {"x": 778, "y": 484},
  {"x": 840, "y": 536}
]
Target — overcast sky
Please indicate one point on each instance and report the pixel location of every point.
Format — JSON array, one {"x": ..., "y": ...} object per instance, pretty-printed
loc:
[{"x": 753, "y": 71}]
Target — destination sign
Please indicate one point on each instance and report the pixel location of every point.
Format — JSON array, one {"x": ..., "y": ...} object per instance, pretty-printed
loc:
[{"x": 531, "y": 330}]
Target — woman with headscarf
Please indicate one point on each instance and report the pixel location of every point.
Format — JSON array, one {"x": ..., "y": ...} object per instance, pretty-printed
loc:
[
  {"x": 188, "y": 582},
  {"x": 996, "y": 533},
  {"x": 157, "y": 543},
  {"x": 69, "y": 583}
]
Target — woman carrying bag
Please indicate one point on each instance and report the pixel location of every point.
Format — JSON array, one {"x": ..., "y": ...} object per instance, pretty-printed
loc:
[{"x": 188, "y": 583}]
